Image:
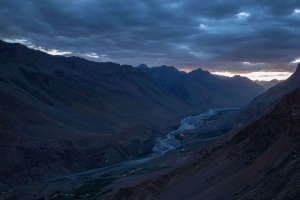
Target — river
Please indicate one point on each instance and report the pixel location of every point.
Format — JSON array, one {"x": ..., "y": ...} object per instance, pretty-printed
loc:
[{"x": 163, "y": 145}]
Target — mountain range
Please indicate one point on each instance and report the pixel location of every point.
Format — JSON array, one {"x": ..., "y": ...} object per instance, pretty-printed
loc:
[
  {"x": 259, "y": 161},
  {"x": 265, "y": 102},
  {"x": 201, "y": 89},
  {"x": 60, "y": 115}
]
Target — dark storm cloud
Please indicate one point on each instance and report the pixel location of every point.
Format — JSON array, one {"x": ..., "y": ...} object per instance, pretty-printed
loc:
[{"x": 214, "y": 35}]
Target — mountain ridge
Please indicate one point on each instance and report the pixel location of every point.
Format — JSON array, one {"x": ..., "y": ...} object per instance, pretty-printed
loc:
[
  {"x": 62, "y": 115},
  {"x": 263, "y": 103},
  {"x": 214, "y": 92},
  {"x": 201, "y": 88},
  {"x": 163, "y": 75}
]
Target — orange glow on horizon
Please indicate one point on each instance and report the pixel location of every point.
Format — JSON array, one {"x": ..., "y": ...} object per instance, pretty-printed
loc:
[{"x": 259, "y": 75}]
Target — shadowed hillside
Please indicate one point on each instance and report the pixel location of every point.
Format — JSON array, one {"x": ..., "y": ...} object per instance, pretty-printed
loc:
[
  {"x": 260, "y": 162},
  {"x": 163, "y": 75},
  {"x": 60, "y": 115},
  {"x": 201, "y": 89},
  {"x": 265, "y": 102}
]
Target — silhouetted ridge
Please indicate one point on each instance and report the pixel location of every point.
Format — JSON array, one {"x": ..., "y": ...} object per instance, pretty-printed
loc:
[
  {"x": 142, "y": 66},
  {"x": 163, "y": 75},
  {"x": 200, "y": 71},
  {"x": 20, "y": 54},
  {"x": 201, "y": 88},
  {"x": 298, "y": 70}
]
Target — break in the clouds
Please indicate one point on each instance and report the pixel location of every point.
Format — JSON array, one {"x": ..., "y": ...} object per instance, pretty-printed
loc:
[{"x": 218, "y": 35}]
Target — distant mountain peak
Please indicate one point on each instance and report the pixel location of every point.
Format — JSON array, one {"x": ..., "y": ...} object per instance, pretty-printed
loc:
[
  {"x": 142, "y": 66},
  {"x": 295, "y": 76},
  {"x": 237, "y": 76},
  {"x": 200, "y": 71}
]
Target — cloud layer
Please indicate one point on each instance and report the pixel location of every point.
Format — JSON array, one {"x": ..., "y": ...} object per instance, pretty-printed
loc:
[{"x": 218, "y": 35}]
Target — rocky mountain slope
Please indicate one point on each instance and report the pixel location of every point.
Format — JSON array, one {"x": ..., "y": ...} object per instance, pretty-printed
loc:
[
  {"x": 259, "y": 162},
  {"x": 262, "y": 104},
  {"x": 163, "y": 75},
  {"x": 200, "y": 88},
  {"x": 60, "y": 115}
]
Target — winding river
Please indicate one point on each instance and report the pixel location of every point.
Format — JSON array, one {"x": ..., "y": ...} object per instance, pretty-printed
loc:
[
  {"x": 163, "y": 145},
  {"x": 167, "y": 143}
]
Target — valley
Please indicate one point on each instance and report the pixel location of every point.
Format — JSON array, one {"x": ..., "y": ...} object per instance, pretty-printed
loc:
[
  {"x": 76, "y": 129},
  {"x": 149, "y": 100},
  {"x": 168, "y": 153},
  {"x": 254, "y": 160}
]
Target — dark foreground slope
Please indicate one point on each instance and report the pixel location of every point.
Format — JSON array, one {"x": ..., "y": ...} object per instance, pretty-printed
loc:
[
  {"x": 60, "y": 115},
  {"x": 260, "y": 162}
]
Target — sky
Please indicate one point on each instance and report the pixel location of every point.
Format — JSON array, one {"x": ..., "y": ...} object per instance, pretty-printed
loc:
[{"x": 221, "y": 36}]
